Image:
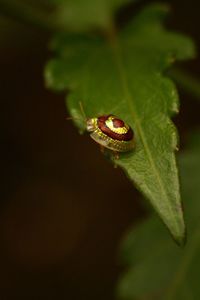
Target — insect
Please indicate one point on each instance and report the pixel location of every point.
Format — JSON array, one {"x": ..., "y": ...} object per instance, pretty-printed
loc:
[{"x": 110, "y": 132}]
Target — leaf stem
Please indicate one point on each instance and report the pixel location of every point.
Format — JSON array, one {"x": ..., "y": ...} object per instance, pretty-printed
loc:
[
  {"x": 27, "y": 14},
  {"x": 186, "y": 81}
]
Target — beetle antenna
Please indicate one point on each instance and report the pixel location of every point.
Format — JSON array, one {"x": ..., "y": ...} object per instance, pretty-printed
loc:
[
  {"x": 82, "y": 110},
  {"x": 68, "y": 118},
  {"x": 72, "y": 118}
]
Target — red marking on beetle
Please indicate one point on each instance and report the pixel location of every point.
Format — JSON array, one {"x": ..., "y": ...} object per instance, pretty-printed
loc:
[
  {"x": 118, "y": 123},
  {"x": 120, "y": 137}
]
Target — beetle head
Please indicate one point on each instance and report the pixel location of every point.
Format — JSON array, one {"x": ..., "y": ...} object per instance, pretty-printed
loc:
[{"x": 91, "y": 124}]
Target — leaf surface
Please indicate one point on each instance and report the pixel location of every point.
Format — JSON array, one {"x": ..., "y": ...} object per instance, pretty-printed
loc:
[
  {"x": 158, "y": 269},
  {"x": 124, "y": 77}
]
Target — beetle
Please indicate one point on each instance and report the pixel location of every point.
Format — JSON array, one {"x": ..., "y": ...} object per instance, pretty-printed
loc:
[{"x": 110, "y": 132}]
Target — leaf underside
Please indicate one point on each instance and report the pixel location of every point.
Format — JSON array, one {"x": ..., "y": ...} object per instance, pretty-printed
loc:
[
  {"x": 124, "y": 77},
  {"x": 165, "y": 271}
]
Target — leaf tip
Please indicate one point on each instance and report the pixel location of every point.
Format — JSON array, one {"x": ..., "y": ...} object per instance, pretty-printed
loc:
[{"x": 180, "y": 237}]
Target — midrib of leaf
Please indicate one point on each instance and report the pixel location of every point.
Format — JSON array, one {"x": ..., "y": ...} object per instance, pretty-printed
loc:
[
  {"x": 119, "y": 62},
  {"x": 183, "y": 265}
]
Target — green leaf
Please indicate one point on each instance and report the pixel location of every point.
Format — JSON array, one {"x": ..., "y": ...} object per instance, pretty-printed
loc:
[
  {"x": 124, "y": 77},
  {"x": 158, "y": 269},
  {"x": 81, "y": 15}
]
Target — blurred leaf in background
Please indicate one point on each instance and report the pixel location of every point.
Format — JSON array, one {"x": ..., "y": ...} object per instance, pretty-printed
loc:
[
  {"x": 123, "y": 76},
  {"x": 82, "y": 15},
  {"x": 157, "y": 268}
]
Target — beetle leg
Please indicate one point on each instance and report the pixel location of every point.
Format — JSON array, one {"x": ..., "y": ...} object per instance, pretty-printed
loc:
[
  {"x": 116, "y": 155},
  {"x": 102, "y": 148}
]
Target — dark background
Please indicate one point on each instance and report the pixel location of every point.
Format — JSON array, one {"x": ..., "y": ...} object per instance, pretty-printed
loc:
[{"x": 63, "y": 207}]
